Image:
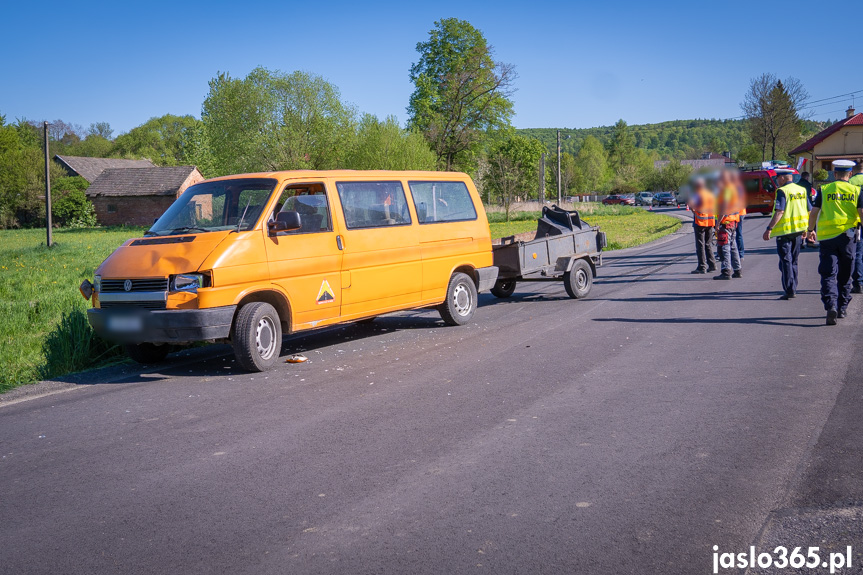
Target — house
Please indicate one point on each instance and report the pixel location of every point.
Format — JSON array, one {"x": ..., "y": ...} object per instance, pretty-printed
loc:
[
  {"x": 92, "y": 168},
  {"x": 841, "y": 141},
  {"x": 137, "y": 196}
]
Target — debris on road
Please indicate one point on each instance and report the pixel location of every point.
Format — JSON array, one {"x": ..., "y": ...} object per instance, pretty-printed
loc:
[{"x": 296, "y": 358}]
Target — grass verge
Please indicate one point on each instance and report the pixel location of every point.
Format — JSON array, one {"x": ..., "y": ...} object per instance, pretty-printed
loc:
[
  {"x": 44, "y": 332},
  {"x": 624, "y": 226}
]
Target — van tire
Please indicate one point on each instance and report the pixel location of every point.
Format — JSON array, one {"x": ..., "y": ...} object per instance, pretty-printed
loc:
[
  {"x": 147, "y": 353},
  {"x": 503, "y": 288},
  {"x": 578, "y": 280},
  {"x": 257, "y": 336},
  {"x": 461, "y": 298}
]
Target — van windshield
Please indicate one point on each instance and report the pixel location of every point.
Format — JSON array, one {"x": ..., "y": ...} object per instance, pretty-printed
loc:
[{"x": 216, "y": 206}]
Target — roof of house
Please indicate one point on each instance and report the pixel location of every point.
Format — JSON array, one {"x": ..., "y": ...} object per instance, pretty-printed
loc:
[
  {"x": 157, "y": 181},
  {"x": 91, "y": 168},
  {"x": 855, "y": 120}
]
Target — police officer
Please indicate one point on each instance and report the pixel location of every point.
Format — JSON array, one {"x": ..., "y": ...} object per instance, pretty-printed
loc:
[
  {"x": 857, "y": 277},
  {"x": 837, "y": 210},
  {"x": 703, "y": 206},
  {"x": 788, "y": 225}
]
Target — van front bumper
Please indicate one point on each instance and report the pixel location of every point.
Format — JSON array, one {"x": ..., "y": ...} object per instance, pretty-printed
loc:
[{"x": 162, "y": 326}]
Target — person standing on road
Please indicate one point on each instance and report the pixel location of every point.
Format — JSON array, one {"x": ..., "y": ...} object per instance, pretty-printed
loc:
[
  {"x": 737, "y": 181},
  {"x": 703, "y": 205},
  {"x": 806, "y": 182},
  {"x": 857, "y": 277},
  {"x": 837, "y": 210},
  {"x": 788, "y": 225},
  {"x": 728, "y": 214}
]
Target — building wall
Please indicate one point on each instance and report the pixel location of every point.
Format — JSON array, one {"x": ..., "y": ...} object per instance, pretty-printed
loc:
[
  {"x": 846, "y": 142},
  {"x": 130, "y": 210}
]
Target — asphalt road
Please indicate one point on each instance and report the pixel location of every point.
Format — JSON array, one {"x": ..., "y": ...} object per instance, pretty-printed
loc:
[{"x": 626, "y": 433}]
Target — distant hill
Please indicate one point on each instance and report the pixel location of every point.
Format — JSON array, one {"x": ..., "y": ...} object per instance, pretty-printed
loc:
[{"x": 675, "y": 139}]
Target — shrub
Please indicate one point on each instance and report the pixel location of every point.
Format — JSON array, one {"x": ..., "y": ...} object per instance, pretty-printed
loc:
[
  {"x": 73, "y": 210},
  {"x": 73, "y": 346},
  {"x": 821, "y": 175}
]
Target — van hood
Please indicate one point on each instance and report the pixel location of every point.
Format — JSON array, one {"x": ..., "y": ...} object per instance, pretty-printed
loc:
[{"x": 160, "y": 256}]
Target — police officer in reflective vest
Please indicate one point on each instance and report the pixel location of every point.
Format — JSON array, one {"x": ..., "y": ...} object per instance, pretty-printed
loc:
[
  {"x": 788, "y": 225},
  {"x": 703, "y": 206},
  {"x": 857, "y": 276},
  {"x": 836, "y": 212}
]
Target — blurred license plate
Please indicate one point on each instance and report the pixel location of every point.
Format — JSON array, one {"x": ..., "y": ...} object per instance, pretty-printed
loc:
[{"x": 125, "y": 323}]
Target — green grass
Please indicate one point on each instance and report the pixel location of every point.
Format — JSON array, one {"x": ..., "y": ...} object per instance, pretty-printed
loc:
[
  {"x": 624, "y": 226},
  {"x": 41, "y": 306}
]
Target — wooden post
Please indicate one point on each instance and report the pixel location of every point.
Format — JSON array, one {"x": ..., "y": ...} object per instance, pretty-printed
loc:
[
  {"x": 542, "y": 178},
  {"x": 48, "y": 189}
]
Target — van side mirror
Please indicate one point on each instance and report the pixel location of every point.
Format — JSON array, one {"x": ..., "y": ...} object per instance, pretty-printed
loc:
[{"x": 285, "y": 222}]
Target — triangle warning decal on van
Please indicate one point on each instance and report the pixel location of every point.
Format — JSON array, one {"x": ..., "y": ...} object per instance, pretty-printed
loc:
[{"x": 326, "y": 295}]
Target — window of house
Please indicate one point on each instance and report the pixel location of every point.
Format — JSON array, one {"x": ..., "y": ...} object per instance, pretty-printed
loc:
[
  {"x": 112, "y": 208},
  {"x": 310, "y": 201},
  {"x": 437, "y": 202},
  {"x": 373, "y": 204}
]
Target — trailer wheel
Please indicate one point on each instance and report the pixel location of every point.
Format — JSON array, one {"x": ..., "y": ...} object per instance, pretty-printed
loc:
[
  {"x": 503, "y": 288},
  {"x": 578, "y": 280},
  {"x": 257, "y": 336},
  {"x": 147, "y": 353},
  {"x": 461, "y": 298}
]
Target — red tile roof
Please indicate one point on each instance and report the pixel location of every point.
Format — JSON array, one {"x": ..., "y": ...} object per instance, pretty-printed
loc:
[{"x": 855, "y": 120}]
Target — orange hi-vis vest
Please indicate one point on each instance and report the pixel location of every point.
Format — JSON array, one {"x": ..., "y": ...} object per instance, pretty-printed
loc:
[
  {"x": 730, "y": 206},
  {"x": 705, "y": 213}
]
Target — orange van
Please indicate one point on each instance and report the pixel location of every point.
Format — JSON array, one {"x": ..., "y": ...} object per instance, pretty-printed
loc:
[{"x": 251, "y": 257}]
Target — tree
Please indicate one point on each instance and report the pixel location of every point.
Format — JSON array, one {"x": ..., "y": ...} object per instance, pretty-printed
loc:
[
  {"x": 567, "y": 174},
  {"x": 772, "y": 109},
  {"x": 276, "y": 121},
  {"x": 102, "y": 129},
  {"x": 160, "y": 139},
  {"x": 670, "y": 177},
  {"x": 514, "y": 169},
  {"x": 591, "y": 166},
  {"x": 460, "y": 92},
  {"x": 621, "y": 147},
  {"x": 384, "y": 145}
]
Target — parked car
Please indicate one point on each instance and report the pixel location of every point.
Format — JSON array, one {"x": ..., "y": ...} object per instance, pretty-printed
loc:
[
  {"x": 612, "y": 199},
  {"x": 664, "y": 199},
  {"x": 643, "y": 199},
  {"x": 628, "y": 200}
]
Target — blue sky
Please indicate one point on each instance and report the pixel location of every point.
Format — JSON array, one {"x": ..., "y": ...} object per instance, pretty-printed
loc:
[{"x": 580, "y": 64}]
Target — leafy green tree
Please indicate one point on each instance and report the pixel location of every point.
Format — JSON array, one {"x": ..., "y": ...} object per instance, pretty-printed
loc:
[
  {"x": 276, "y": 121},
  {"x": 162, "y": 140},
  {"x": 772, "y": 109},
  {"x": 102, "y": 129},
  {"x": 460, "y": 92},
  {"x": 70, "y": 206},
  {"x": 670, "y": 177},
  {"x": 591, "y": 165},
  {"x": 750, "y": 154},
  {"x": 621, "y": 147},
  {"x": 513, "y": 169},
  {"x": 384, "y": 145}
]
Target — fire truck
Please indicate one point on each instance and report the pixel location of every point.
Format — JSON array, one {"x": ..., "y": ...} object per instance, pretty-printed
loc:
[{"x": 759, "y": 181}]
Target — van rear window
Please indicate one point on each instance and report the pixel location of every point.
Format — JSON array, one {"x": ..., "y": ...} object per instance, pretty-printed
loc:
[
  {"x": 373, "y": 204},
  {"x": 438, "y": 202}
]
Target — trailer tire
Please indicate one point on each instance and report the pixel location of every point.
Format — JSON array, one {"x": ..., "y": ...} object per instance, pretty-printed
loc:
[
  {"x": 147, "y": 353},
  {"x": 578, "y": 280},
  {"x": 257, "y": 336},
  {"x": 461, "y": 299},
  {"x": 503, "y": 288}
]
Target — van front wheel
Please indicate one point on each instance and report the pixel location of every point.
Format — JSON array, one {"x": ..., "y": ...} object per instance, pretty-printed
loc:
[
  {"x": 257, "y": 336},
  {"x": 461, "y": 298}
]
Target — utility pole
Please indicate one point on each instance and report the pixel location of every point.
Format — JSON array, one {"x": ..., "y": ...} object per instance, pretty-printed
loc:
[
  {"x": 542, "y": 178},
  {"x": 558, "y": 168},
  {"x": 47, "y": 189}
]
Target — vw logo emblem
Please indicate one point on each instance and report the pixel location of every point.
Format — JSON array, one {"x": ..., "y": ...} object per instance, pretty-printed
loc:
[{"x": 127, "y": 285}]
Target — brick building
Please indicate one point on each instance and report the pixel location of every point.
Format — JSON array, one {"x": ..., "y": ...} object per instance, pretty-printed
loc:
[{"x": 137, "y": 196}]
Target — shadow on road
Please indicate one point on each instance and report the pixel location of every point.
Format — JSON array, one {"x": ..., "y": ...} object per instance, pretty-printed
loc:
[
  {"x": 779, "y": 321},
  {"x": 706, "y": 296}
]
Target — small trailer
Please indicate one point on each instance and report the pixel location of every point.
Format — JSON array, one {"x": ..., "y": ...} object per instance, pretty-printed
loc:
[{"x": 565, "y": 247}]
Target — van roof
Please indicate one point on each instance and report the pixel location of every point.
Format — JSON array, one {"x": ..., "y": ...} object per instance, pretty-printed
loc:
[{"x": 302, "y": 174}]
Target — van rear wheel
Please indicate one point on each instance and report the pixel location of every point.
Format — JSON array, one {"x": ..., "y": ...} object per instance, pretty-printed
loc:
[
  {"x": 257, "y": 336},
  {"x": 461, "y": 298},
  {"x": 503, "y": 288},
  {"x": 147, "y": 353}
]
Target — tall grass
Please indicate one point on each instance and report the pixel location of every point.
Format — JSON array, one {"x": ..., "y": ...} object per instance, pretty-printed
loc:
[{"x": 44, "y": 331}]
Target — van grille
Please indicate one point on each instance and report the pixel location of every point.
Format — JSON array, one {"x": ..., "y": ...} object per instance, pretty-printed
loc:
[
  {"x": 132, "y": 304},
  {"x": 141, "y": 284}
]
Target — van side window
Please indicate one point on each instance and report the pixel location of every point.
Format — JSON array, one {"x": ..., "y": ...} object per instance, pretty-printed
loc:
[
  {"x": 442, "y": 202},
  {"x": 373, "y": 204},
  {"x": 751, "y": 185},
  {"x": 310, "y": 201}
]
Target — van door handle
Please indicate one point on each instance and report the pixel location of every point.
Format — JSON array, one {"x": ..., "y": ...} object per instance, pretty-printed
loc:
[{"x": 339, "y": 242}]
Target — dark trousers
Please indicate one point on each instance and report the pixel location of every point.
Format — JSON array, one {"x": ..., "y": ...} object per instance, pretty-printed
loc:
[
  {"x": 788, "y": 248},
  {"x": 857, "y": 276},
  {"x": 703, "y": 247},
  {"x": 740, "y": 237},
  {"x": 836, "y": 266}
]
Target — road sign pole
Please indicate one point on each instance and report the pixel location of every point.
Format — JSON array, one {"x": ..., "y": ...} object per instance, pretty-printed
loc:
[{"x": 558, "y": 169}]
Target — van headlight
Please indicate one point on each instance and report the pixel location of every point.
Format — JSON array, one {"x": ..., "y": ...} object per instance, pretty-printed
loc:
[{"x": 189, "y": 282}]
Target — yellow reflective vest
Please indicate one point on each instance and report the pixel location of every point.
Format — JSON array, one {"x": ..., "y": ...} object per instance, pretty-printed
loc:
[
  {"x": 795, "y": 218},
  {"x": 856, "y": 180},
  {"x": 838, "y": 209}
]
